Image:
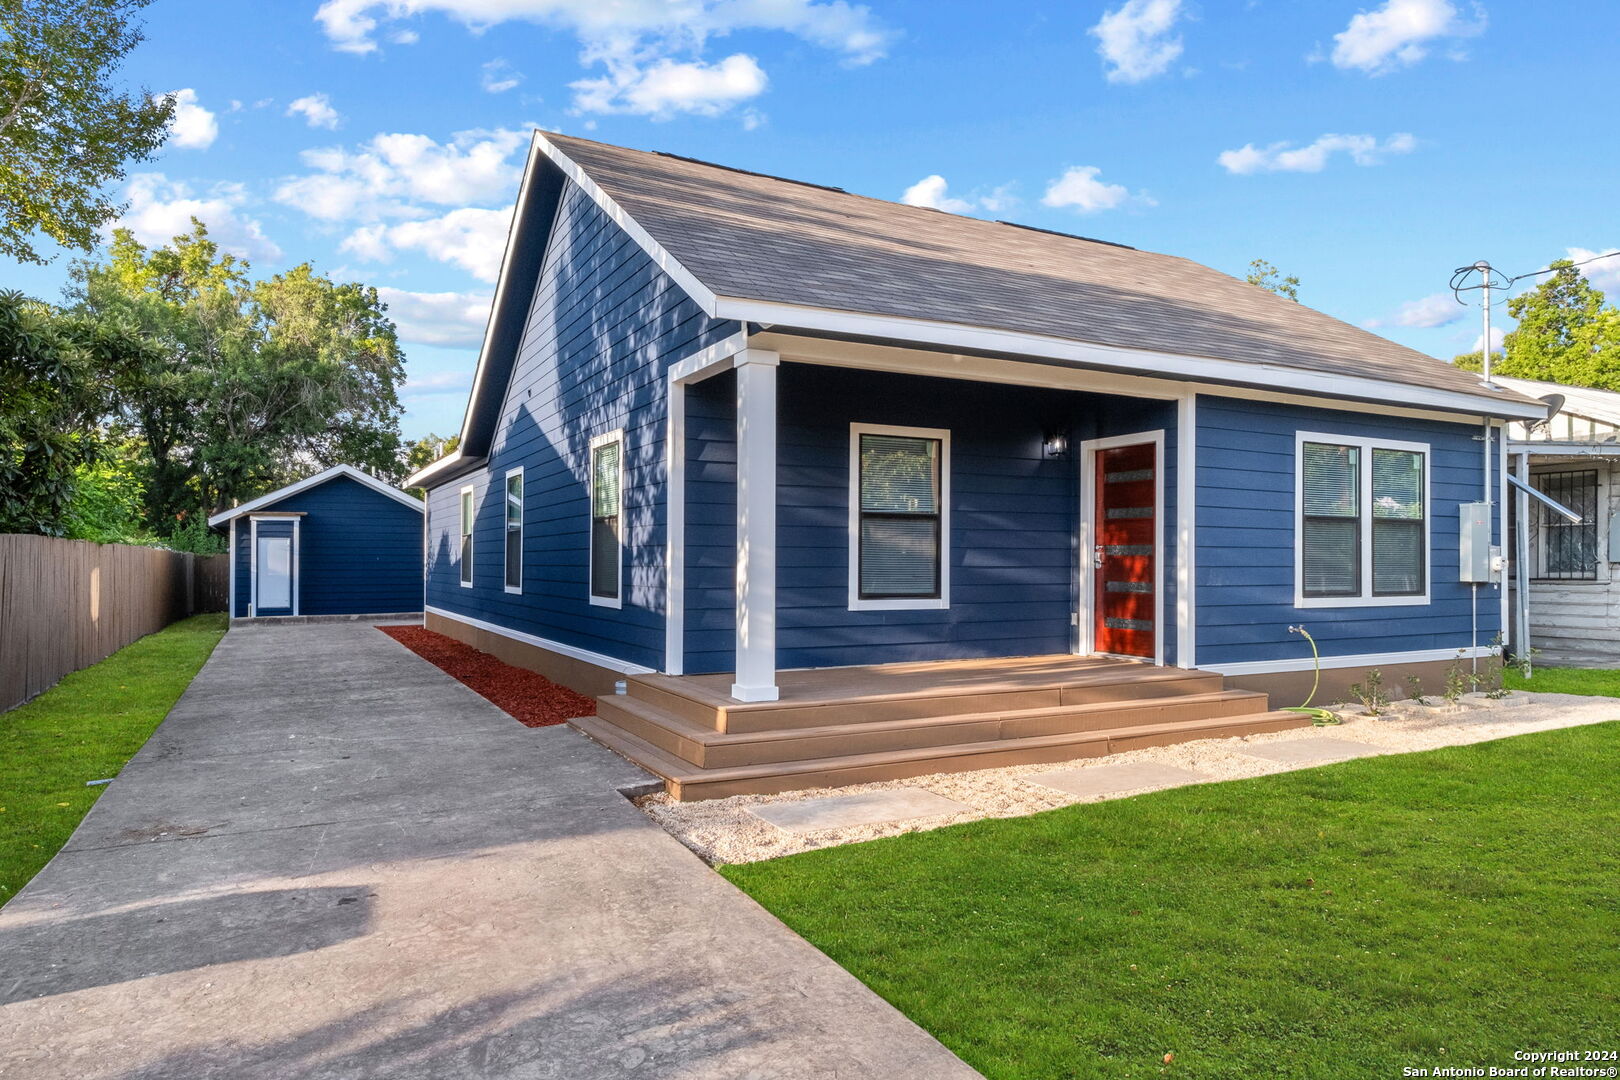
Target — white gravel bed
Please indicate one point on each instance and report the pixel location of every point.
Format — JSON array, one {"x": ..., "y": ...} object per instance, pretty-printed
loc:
[{"x": 722, "y": 831}]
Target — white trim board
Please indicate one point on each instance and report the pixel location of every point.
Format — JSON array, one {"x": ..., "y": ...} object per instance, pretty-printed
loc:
[
  {"x": 573, "y": 652},
  {"x": 1088, "y": 529},
  {"x": 315, "y": 481},
  {"x": 1187, "y": 530},
  {"x": 1365, "y": 660},
  {"x": 930, "y": 603}
]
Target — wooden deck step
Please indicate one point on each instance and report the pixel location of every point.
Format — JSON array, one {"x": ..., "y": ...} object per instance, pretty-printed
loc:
[
  {"x": 688, "y": 782},
  {"x": 706, "y": 748},
  {"x": 912, "y": 697}
]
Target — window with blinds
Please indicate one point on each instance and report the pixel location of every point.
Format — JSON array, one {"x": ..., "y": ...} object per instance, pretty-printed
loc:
[
  {"x": 1331, "y": 527},
  {"x": 514, "y": 531},
  {"x": 607, "y": 476},
  {"x": 1566, "y": 550},
  {"x": 1363, "y": 521},
  {"x": 466, "y": 551},
  {"x": 900, "y": 517}
]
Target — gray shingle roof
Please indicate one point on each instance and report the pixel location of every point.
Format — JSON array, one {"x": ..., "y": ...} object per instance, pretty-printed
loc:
[{"x": 755, "y": 237}]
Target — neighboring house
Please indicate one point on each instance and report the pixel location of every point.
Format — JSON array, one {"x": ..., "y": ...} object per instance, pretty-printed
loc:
[
  {"x": 1571, "y": 567},
  {"x": 337, "y": 543},
  {"x": 729, "y": 431}
]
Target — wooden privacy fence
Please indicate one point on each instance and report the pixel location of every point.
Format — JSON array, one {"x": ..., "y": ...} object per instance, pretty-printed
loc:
[{"x": 65, "y": 604}]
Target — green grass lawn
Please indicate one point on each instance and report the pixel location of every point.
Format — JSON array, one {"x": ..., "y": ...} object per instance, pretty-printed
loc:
[
  {"x": 85, "y": 728},
  {"x": 1596, "y": 682},
  {"x": 1436, "y": 909}
]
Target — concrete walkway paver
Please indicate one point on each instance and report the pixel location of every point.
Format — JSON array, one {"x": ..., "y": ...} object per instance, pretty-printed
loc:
[
  {"x": 1100, "y": 780},
  {"x": 842, "y": 811},
  {"x": 332, "y": 860},
  {"x": 1311, "y": 751}
]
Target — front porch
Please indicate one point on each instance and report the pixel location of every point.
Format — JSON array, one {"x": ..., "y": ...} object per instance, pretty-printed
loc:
[{"x": 837, "y": 726}]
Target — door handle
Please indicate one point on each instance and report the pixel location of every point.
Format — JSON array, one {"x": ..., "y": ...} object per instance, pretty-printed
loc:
[{"x": 1096, "y": 557}]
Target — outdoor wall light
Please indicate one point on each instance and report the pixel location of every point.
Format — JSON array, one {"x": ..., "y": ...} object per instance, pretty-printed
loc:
[{"x": 1055, "y": 445}]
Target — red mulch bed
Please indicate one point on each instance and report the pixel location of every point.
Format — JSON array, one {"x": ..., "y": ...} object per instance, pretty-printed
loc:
[{"x": 531, "y": 698}]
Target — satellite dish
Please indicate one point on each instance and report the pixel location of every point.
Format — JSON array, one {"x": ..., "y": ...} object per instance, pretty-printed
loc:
[{"x": 1555, "y": 405}]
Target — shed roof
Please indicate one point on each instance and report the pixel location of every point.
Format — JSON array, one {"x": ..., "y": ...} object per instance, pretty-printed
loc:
[
  {"x": 1584, "y": 401},
  {"x": 308, "y": 482}
]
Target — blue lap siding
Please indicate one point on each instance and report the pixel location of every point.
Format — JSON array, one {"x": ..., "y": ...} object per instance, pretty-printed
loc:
[
  {"x": 359, "y": 551},
  {"x": 1247, "y": 522},
  {"x": 1014, "y": 516},
  {"x": 604, "y": 326}
]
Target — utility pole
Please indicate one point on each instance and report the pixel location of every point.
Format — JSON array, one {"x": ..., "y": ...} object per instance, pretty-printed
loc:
[{"x": 1484, "y": 269}]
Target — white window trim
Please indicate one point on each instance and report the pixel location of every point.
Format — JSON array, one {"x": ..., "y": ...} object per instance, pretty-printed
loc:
[
  {"x": 616, "y": 435},
  {"x": 1086, "y": 617},
  {"x": 1366, "y": 445},
  {"x": 506, "y": 527},
  {"x": 297, "y": 519},
  {"x": 933, "y": 603},
  {"x": 466, "y": 528}
]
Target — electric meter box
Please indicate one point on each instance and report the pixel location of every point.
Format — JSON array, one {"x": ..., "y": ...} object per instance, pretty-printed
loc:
[{"x": 1474, "y": 542}]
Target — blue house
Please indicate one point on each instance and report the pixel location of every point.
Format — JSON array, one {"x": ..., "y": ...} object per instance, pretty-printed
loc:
[
  {"x": 814, "y": 488},
  {"x": 336, "y": 543}
]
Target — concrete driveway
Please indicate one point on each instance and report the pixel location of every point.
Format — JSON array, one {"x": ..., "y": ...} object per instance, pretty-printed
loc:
[{"x": 332, "y": 860}]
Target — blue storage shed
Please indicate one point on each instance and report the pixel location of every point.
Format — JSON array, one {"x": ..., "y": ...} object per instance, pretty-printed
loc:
[{"x": 336, "y": 543}]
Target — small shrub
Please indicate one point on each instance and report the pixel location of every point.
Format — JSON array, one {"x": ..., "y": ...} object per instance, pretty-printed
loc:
[
  {"x": 1372, "y": 695},
  {"x": 1414, "y": 690},
  {"x": 1459, "y": 680}
]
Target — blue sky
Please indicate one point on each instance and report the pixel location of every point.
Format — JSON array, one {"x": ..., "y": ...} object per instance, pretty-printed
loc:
[{"x": 1369, "y": 148}]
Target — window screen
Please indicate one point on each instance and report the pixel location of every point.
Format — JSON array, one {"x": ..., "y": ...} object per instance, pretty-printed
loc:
[
  {"x": 1331, "y": 521},
  {"x": 1398, "y": 523},
  {"x": 514, "y": 531},
  {"x": 606, "y": 471},
  {"x": 899, "y": 517},
  {"x": 466, "y": 536},
  {"x": 1566, "y": 550}
]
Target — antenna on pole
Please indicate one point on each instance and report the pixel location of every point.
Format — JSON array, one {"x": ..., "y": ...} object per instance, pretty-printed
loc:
[{"x": 1488, "y": 279}]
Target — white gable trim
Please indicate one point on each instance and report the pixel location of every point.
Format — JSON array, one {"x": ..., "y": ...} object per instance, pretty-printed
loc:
[{"x": 315, "y": 481}]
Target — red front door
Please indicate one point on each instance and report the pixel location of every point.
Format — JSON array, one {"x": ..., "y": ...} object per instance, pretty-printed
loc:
[{"x": 1123, "y": 577}]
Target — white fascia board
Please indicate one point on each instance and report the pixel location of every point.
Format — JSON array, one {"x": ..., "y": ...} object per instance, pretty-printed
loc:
[
  {"x": 1128, "y": 361},
  {"x": 314, "y": 481},
  {"x": 1564, "y": 449},
  {"x": 612, "y": 663},
  {"x": 429, "y": 476},
  {"x": 700, "y": 293}
]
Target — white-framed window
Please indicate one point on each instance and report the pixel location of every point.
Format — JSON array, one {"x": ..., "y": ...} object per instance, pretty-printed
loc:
[
  {"x": 607, "y": 519},
  {"x": 514, "y": 530},
  {"x": 464, "y": 554},
  {"x": 1361, "y": 521},
  {"x": 899, "y": 518}
]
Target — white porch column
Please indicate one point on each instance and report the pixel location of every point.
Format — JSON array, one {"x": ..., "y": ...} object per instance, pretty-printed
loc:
[{"x": 756, "y": 526}]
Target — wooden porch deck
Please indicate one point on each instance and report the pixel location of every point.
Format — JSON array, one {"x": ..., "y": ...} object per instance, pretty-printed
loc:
[{"x": 834, "y": 726}]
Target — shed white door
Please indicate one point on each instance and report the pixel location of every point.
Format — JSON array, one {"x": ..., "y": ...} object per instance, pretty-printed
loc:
[{"x": 275, "y": 573}]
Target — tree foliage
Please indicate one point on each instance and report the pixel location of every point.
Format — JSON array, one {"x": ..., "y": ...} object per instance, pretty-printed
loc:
[
  {"x": 1269, "y": 278},
  {"x": 65, "y": 130},
  {"x": 254, "y": 383},
  {"x": 428, "y": 449},
  {"x": 1566, "y": 333}
]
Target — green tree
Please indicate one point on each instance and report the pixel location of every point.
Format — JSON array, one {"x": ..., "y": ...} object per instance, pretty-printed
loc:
[
  {"x": 428, "y": 449},
  {"x": 1269, "y": 278},
  {"x": 254, "y": 383},
  {"x": 65, "y": 130},
  {"x": 50, "y": 397},
  {"x": 1565, "y": 333}
]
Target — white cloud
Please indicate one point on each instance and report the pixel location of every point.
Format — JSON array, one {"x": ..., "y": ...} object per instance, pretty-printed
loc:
[
  {"x": 453, "y": 319},
  {"x": 435, "y": 383},
  {"x": 1604, "y": 275},
  {"x": 667, "y": 88},
  {"x": 160, "y": 209},
  {"x": 1285, "y": 157},
  {"x": 930, "y": 192},
  {"x": 317, "y": 111},
  {"x": 1399, "y": 34},
  {"x": 471, "y": 238},
  {"x": 392, "y": 172},
  {"x": 651, "y": 49},
  {"x": 193, "y": 127},
  {"x": 1497, "y": 334},
  {"x": 1134, "y": 39},
  {"x": 1079, "y": 189},
  {"x": 498, "y": 76},
  {"x": 1440, "y": 309}
]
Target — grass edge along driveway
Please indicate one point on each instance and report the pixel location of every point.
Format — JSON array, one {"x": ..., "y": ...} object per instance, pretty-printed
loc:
[
  {"x": 84, "y": 728},
  {"x": 1433, "y": 909}
]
